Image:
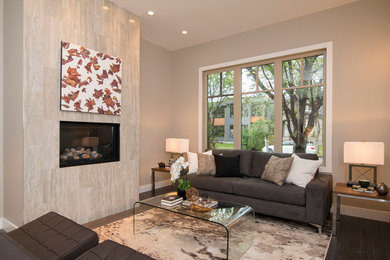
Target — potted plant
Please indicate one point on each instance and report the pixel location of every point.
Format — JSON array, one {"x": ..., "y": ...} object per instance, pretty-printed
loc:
[{"x": 179, "y": 170}]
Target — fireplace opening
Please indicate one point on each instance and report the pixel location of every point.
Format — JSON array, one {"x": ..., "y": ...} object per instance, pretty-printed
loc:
[{"x": 88, "y": 143}]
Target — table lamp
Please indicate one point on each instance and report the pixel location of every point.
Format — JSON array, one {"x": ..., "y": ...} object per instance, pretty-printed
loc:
[
  {"x": 363, "y": 154},
  {"x": 176, "y": 146}
]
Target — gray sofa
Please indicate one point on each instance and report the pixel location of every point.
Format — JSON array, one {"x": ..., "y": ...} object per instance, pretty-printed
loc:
[{"x": 311, "y": 205}]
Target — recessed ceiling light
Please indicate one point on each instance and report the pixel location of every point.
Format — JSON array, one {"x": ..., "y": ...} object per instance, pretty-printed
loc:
[
  {"x": 131, "y": 21},
  {"x": 150, "y": 13},
  {"x": 105, "y": 7},
  {"x": 184, "y": 32}
]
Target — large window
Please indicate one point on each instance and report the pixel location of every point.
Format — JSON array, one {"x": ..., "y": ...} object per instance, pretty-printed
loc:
[
  {"x": 220, "y": 110},
  {"x": 278, "y": 103},
  {"x": 257, "y": 107}
]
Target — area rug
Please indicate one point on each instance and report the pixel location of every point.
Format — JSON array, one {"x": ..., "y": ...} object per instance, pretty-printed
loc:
[{"x": 185, "y": 238}]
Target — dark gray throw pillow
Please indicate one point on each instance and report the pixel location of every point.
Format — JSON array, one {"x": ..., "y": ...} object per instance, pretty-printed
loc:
[{"x": 227, "y": 166}]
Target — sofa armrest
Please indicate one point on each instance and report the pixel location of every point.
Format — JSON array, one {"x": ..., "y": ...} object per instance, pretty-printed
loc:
[{"x": 319, "y": 199}]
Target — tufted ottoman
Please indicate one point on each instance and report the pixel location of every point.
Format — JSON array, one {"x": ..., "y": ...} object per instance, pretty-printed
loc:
[
  {"x": 110, "y": 250},
  {"x": 53, "y": 236}
]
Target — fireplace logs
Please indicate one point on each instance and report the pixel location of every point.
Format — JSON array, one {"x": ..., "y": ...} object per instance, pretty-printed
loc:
[{"x": 78, "y": 153}]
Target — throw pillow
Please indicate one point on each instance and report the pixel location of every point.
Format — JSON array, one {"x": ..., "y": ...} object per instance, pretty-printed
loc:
[
  {"x": 192, "y": 158},
  {"x": 209, "y": 152},
  {"x": 277, "y": 169},
  {"x": 206, "y": 164},
  {"x": 227, "y": 166},
  {"x": 302, "y": 171}
]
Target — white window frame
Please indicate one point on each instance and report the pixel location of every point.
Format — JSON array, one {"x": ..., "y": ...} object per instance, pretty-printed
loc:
[{"x": 328, "y": 46}]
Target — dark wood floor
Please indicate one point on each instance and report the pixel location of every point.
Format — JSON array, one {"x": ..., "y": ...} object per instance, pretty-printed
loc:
[{"x": 357, "y": 238}]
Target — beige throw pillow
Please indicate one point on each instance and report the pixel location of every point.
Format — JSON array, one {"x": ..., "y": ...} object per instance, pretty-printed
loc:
[
  {"x": 206, "y": 164},
  {"x": 277, "y": 169}
]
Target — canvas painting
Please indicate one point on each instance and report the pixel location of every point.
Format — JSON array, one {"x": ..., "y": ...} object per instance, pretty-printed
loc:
[{"x": 90, "y": 81}]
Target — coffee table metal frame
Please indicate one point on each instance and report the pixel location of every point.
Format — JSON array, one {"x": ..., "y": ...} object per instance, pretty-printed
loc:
[{"x": 237, "y": 220}]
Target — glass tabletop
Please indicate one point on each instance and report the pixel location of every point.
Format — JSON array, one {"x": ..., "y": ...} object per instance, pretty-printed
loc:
[
  {"x": 224, "y": 213},
  {"x": 236, "y": 221}
]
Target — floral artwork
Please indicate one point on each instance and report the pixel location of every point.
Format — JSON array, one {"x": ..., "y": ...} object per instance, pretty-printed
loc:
[{"x": 90, "y": 81}]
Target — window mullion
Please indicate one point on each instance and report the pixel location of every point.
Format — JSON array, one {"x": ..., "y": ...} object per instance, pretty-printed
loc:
[
  {"x": 278, "y": 106},
  {"x": 237, "y": 109}
]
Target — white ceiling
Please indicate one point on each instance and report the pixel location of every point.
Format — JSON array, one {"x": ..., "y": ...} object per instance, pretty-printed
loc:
[{"x": 207, "y": 20}]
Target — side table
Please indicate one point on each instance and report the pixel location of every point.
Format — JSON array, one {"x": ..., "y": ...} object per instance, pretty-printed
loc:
[
  {"x": 154, "y": 170},
  {"x": 341, "y": 190}
]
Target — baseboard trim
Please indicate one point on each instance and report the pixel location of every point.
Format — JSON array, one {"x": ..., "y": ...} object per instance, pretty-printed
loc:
[
  {"x": 160, "y": 184},
  {"x": 365, "y": 213},
  {"x": 7, "y": 225}
]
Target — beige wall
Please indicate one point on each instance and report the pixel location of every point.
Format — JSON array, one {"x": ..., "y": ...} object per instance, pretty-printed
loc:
[
  {"x": 1, "y": 102},
  {"x": 13, "y": 111},
  {"x": 361, "y": 88},
  {"x": 156, "y": 109},
  {"x": 82, "y": 193}
]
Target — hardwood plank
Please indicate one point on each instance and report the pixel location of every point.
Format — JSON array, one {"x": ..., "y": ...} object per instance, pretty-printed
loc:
[{"x": 360, "y": 238}]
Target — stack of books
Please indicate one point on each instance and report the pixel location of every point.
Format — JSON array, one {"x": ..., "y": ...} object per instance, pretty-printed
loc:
[
  {"x": 211, "y": 204},
  {"x": 364, "y": 190},
  {"x": 171, "y": 201}
]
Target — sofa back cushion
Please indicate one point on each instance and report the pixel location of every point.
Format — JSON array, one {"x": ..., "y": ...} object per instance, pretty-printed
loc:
[
  {"x": 206, "y": 164},
  {"x": 260, "y": 159},
  {"x": 277, "y": 169},
  {"x": 227, "y": 166},
  {"x": 245, "y": 159}
]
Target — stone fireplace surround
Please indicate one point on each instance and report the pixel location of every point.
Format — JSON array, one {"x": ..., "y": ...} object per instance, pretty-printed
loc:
[{"x": 33, "y": 178}]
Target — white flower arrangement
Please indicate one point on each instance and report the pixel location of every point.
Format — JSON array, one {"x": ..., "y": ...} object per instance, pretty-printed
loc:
[{"x": 177, "y": 167}]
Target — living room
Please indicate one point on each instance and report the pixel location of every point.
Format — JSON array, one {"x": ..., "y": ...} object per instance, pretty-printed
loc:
[{"x": 163, "y": 88}]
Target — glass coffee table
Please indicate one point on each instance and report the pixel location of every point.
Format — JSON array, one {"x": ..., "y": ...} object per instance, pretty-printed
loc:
[{"x": 237, "y": 221}]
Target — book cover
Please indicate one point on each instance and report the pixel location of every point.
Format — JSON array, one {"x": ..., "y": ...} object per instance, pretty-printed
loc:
[{"x": 171, "y": 199}]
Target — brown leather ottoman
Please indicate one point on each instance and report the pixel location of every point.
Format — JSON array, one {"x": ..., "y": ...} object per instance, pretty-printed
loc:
[
  {"x": 110, "y": 250},
  {"x": 10, "y": 250},
  {"x": 53, "y": 236}
]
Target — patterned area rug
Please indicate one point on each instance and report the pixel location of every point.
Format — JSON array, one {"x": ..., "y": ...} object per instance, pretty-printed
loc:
[{"x": 185, "y": 238}]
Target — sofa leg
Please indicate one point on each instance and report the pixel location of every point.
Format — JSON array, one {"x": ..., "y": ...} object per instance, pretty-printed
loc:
[{"x": 319, "y": 227}]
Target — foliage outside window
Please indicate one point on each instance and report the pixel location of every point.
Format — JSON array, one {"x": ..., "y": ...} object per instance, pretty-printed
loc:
[
  {"x": 257, "y": 102},
  {"x": 302, "y": 103},
  {"x": 220, "y": 106},
  {"x": 292, "y": 87}
]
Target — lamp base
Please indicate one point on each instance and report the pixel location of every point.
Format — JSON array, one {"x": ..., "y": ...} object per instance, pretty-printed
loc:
[
  {"x": 369, "y": 168},
  {"x": 351, "y": 183}
]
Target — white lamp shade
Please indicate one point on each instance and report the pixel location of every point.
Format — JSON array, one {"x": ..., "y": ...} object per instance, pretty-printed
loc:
[
  {"x": 176, "y": 145},
  {"x": 371, "y": 153}
]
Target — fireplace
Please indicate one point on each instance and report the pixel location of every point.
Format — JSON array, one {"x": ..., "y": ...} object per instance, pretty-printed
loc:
[{"x": 88, "y": 143}]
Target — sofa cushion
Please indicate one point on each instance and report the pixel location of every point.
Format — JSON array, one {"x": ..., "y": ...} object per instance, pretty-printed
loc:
[
  {"x": 227, "y": 166},
  {"x": 212, "y": 183},
  {"x": 53, "y": 236},
  {"x": 245, "y": 159},
  {"x": 302, "y": 171},
  {"x": 110, "y": 250},
  {"x": 260, "y": 159},
  {"x": 276, "y": 170},
  {"x": 206, "y": 164},
  {"x": 259, "y": 189}
]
